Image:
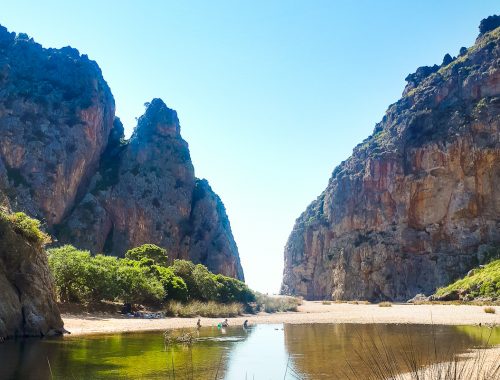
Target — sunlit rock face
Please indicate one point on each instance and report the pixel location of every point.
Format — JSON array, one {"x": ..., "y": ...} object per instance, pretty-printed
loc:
[
  {"x": 27, "y": 296},
  {"x": 418, "y": 202},
  {"x": 56, "y": 113},
  {"x": 146, "y": 191},
  {"x": 64, "y": 160}
]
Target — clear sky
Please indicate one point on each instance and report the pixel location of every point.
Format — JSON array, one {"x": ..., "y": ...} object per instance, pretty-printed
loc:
[{"x": 271, "y": 95}]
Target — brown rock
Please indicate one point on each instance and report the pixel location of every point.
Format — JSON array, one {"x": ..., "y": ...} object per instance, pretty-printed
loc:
[
  {"x": 415, "y": 204},
  {"x": 56, "y": 113},
  {"x": 27, "y": 304},
  {"x": 146, "y": 192},
  {"x": 64, "y": 160}
]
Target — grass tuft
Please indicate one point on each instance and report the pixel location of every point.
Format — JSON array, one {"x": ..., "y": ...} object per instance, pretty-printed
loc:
[
  {"x": 381, "y": 361},
  {"x": 26, "y": 226},
  {"x": 203, "y": 309},
  {"x": 385, "y": 304},
  {"x": 273, "y": 304},
  {"x": 490, "y": 310}
]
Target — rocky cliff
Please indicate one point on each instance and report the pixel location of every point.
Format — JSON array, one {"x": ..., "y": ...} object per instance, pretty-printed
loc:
[
  {"x": 64, "y": 160},
  {"x": 418, "y": 202},
  {"x": 27, "y": 303}
]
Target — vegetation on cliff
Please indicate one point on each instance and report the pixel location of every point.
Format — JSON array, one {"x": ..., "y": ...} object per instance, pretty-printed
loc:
[
  {"x": 27, "y": 303},
  {"x": 26, "y": 226},
  {"x": 483, "y": 282}
]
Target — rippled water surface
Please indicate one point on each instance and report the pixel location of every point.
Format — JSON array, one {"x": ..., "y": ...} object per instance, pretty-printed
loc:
[{"x": 319, "y": 351}]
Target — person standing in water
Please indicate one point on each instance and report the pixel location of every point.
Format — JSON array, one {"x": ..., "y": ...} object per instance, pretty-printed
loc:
[{"x": 198, "y": 324}]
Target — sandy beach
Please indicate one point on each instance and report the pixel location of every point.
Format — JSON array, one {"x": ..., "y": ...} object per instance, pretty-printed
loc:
[{"x": 309, "y": 312}]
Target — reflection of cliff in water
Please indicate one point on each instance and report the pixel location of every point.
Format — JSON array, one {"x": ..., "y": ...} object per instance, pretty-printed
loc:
[
  {"x": 323, "y": 350},
  {"x": 138, "y": 355}
]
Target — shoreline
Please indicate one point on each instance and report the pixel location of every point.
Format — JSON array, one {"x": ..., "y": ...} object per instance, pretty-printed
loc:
[{"x": 310, "y": 312}]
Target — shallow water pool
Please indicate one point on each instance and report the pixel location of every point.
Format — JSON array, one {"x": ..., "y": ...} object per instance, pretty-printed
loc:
[{"x": 319, "y": 351}]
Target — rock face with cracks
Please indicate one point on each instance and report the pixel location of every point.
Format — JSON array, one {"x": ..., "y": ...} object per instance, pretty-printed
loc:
[
  {"x": 27, "y": 295},
  {"x": 418, "y": 202},
  {"x": 64, "y": 160}
]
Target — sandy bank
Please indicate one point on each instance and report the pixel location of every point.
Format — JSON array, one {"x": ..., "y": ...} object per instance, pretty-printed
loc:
[{"x": 309, "y": 312}]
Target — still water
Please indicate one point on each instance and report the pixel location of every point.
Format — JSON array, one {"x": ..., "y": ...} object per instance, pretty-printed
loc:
[{"x": 319, "y": 351}]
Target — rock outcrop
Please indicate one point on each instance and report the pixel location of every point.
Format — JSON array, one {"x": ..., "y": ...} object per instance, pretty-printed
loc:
[
  {"x": 418, "y": 203},
  {"x": 27, "y": 301},
  {"x": 56, "y": 113},
  {"x": 64, "y": 160},
  {"x": 146, "y": 191}
]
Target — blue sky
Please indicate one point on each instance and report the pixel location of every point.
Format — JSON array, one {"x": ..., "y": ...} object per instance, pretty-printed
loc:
[{"x": 271, "y": 95}]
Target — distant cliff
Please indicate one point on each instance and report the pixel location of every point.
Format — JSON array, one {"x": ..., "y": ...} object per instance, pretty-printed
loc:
[
  {"x": 64, "y": 160},
  {"x": 418, "y": 202}
]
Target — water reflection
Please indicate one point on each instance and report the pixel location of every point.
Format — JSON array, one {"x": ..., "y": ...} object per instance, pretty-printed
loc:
[
  {"x": 325, "y": 351},
  {"x": 262, "y": 352},
  {"x": 261, "y": 356}
]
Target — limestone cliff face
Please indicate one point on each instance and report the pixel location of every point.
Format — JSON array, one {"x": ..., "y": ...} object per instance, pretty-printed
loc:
[
  {"x": 64, "y": 160},
  {"x": 211, "y": 231},
  {"x": 27, "y": 301},
  {"x": 146, "y": 191},
  {"x": 418, "y": 202},
  {"x": 56, "y": 113}
]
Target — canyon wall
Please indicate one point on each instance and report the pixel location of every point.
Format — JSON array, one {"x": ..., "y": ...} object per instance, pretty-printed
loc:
[
  {"x": 64, "y": 160},
  {"x": 418, "y": 202}
]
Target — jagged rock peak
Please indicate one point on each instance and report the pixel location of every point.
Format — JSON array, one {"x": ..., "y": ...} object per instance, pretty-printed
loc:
[
  {"x": 488, "y": 24},
  {"x": 64, "y": 160},
  {"x": 158, "y": 119}
]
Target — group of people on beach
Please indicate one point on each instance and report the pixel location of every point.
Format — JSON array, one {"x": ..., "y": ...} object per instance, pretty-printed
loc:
[{"x": 223, "y": 324}]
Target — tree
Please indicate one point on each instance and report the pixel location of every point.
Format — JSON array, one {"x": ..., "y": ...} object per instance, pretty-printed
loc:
[
  {"x": 148, "y": 251},
  {"x": 69, "y": 268},
  {"x": 138, "y": 286},
  {"x": 206, "y": 283},
  {"x": 232, "y": 290},
  {"x": 184, "y": 269},
  {"x": 174, "y": 286},
  {"x": 101, "y": 277}
]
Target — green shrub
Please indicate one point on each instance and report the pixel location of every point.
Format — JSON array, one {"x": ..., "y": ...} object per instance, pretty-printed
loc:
[
  {"x": 148, "y": 251},
  {"x": 28, "y": 227},
  {"x": 184, "y": 269},
  {"x": 138, "y": 278},
  {"x": 174, "y": 286},
  {"x": 69, "y": 269},
  {"x": 101, "y": 278},
  {"x": 232, "y": 290},
  {"x": 81, "y": 278},
  {"x": 137, "y": 285},
  {"x": 206, "y": 284},
  {"x": 483, "y": 282}
]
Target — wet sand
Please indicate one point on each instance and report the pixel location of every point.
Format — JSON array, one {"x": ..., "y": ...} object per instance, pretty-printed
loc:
[{"x": 309, "y": 312}]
